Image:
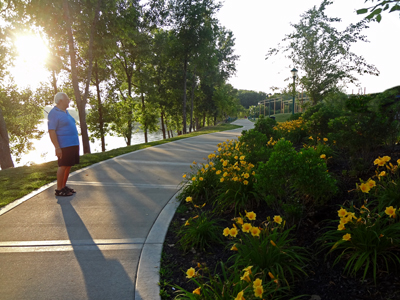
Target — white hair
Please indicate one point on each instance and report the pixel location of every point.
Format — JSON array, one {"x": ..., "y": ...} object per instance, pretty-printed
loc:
[{"x": 60, "y": 96}]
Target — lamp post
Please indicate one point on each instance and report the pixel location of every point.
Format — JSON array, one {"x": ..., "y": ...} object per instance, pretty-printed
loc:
[
  {"x": 269, "y": 104},
  {"x": 294, "y": 73}
]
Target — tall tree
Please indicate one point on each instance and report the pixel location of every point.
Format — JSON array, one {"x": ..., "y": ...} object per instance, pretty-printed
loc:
[
  {"x": 81, "y": 101},
  {"x": 323, "y": 53},
  {"x": 190, "y": 20},
  {"x": 250, "y": 98},
  {"x": 20, "y": 113},
  {"x": 127, "y": 57},
  {"x": 5, "y": 59},
  {"x": 99, "y": 117},
  {"x": 70, "y": 26},
  {"x": 104, "y": 49}
]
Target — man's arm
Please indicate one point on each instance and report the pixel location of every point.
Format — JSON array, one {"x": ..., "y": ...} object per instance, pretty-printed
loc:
[{"x": 54, "y": 140}]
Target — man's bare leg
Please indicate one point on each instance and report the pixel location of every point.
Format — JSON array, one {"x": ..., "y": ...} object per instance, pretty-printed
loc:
[
  {"x": 66, "y": 174},
  {"x": 60, "y": 176}
]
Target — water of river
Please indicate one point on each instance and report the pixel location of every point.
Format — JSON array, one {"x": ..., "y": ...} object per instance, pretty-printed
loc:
[{"x": 44, "y": 149}]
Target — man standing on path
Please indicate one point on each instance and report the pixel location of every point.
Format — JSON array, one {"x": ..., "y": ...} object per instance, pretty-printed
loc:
[{"x": 64, "y": 136}]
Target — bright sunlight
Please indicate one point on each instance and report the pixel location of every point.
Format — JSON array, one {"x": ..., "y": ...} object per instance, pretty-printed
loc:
[{"x": 29, "y": 69}]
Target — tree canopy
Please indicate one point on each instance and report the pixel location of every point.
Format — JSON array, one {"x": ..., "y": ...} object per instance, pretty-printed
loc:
[
  {"x": 323, "y": 53},
  {"x": 160, "y": 63},
  {"x": 250, "y": 98}
]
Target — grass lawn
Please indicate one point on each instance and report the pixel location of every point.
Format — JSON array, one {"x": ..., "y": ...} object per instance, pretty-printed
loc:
[
  {"x": 278, "y": 117},
  {"x": 282, "y": 117},
  {"x": 18, "y": 182}
]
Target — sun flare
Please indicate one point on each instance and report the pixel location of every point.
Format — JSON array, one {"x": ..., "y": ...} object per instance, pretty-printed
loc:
[
  {"x": 29, "y": 66},
  {"x": 31, "y": 48}
]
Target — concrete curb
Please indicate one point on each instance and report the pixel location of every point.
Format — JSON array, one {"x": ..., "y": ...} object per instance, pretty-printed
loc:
[{"x": 147, "y": 276}]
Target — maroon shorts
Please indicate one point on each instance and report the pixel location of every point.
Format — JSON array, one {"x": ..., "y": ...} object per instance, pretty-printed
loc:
[{"x": 70, "y": 156}]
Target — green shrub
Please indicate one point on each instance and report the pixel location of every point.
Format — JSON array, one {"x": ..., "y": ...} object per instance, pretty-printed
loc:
[
  {"x": 364, "y": 128},
  {"x": 336, "y": 100},
  {"x": 296, "y": 178},
  {"x": 200, "y": 232},
  {"x": 295, "y": 116},
  {"x": 311, "y": 178},
  {"x": 273, "y": 177},
  {"x": 317, "y": 118},
  {"x": 265, "y": 125},
  {"x": 255, "y": 146}
]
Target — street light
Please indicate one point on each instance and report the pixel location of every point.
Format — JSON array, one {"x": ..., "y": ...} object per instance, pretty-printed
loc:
[
  {"x": 294, "y": 73},
  {"x": 269, "y": 104}
]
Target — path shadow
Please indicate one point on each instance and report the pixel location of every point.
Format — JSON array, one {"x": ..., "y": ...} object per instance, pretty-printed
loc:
[{"x": 104, "y": 278}]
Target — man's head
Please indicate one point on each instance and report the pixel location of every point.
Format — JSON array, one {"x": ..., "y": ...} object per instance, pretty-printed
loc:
[{"x": 62, "y": 100}]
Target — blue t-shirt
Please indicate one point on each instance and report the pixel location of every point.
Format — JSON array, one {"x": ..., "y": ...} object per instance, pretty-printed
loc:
[{"x": 64, "y": 125}]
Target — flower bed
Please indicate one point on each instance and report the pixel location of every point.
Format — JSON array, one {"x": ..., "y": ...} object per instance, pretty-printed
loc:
[{"x": 265, "y": 218}]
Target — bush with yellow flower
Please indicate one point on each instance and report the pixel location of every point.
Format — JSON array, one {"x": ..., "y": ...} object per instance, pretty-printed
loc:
[
  {"x": 200, "y": 231},
  {"x": 384, "y": 186},
  {"x": 227, "y": 178},
  {"x": 294, "y": 131},
  {"x": 266, "y": 246},
  {"x": 248, "y": 283},
  {"x": 365, "y": 238}
]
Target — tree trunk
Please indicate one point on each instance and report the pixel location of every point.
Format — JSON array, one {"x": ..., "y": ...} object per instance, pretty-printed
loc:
[
  {"x": 81, "y": 102},
  {"x": 162, "y": 124},
  {"x": 144, "y": 118},
  {"x": 204, "y": 119},
  {"x": 100, "y": 109},
  {"x": 192, "y": 96},
  {"x": 89, "y": 72},
  {"x": 184, "y": 96},
  {"x": 5, "y": 153},
  {"x": 54, "y": 82},
  {"x": 130, "y": 118}
]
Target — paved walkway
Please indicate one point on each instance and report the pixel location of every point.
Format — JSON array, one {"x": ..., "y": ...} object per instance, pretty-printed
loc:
[{"x": 104, "y": 242}]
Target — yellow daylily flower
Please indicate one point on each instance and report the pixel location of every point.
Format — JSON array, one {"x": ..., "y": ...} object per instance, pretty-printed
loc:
[
  {"x": 197, "y": 291},
  {"x": 190, "y": 273}
]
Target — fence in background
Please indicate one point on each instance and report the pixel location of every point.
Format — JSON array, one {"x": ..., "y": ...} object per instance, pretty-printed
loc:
[{"x": 281, "y": 105}]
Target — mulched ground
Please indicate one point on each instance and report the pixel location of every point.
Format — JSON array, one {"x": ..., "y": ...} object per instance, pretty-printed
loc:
[{"x": 323, "y": 282}]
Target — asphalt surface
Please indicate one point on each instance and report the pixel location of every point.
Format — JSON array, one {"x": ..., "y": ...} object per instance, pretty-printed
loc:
[{"x": 105, "y": 241}]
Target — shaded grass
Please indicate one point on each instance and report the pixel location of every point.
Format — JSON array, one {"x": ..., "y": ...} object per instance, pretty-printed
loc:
[
  {"x": 282, "y": 117},
  {"x": 18, "y": 182},
  {"x": 278, "y": 117}
]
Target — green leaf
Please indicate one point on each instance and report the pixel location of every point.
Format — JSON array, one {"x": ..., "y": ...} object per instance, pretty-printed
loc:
[
  {"x": 378, "y": 18},
  {"x": 362, "y": 11},
  {"x": 394, "y": 8},
  {"x": 377, "y": 11}
]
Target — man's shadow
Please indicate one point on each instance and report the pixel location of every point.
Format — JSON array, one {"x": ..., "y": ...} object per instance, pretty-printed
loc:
[{"x": 104, "y": 278}]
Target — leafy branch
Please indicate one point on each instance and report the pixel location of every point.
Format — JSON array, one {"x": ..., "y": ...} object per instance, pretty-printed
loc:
[{"x": 376, "y": 10}]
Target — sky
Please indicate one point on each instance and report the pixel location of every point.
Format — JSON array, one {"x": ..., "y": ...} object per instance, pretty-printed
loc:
[{"x": 259, "y": 25}]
